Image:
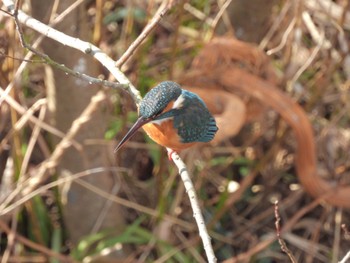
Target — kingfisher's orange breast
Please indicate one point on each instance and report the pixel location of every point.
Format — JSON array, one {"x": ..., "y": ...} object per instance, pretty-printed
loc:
[{"x": 166, "y": 135}]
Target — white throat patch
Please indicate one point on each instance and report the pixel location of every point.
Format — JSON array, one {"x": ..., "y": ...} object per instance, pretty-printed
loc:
[
  {"x": 178, "y": 102},
  {"x": 159, "y": 122}
]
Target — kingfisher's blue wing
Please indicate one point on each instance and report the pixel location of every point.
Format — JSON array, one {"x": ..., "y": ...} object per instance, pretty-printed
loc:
[{"x": 193, "y": 120}]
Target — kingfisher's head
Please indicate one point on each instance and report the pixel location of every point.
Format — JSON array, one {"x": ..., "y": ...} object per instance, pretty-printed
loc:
[
  {"x": 153, "y": 106},
  {"x": 158, "y": 98}
]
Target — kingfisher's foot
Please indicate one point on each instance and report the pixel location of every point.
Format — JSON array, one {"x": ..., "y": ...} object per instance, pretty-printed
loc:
[{"x": 170, "y": 153}]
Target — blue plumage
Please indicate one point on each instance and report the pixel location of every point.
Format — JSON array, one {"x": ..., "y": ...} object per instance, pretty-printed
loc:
[
  {"x": 158, "y": 98},
  {"x": 191, "y": 118}
]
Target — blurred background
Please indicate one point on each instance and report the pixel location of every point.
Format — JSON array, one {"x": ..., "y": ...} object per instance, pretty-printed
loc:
[{"x": 275, "y": 73}]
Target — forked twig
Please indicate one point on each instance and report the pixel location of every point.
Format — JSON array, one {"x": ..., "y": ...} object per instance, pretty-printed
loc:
[
  {"x": 283, "y": 244},
  {"x": 88, "y": 48},
  {"x": 77, "y": 44},
  {"x": 57, "y": 65}
]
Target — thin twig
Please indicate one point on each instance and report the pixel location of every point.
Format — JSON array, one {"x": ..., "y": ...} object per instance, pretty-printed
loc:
[
  {"x": 146, "y": 31},
  {"x": 76, "y": 43},
  {"x": 198, "y": 14},
  {"x": 337, "y": 235},
  {"x": 48, "y": 60},
  {"x": 57, "y": 154},
  {"x": 283, "y": 245},
  {"x": 36, "y": 43},
  {"x": 345, "y": 258},
  {"x": 317, "y": 37},
  {"x": 34, "y": 245},
  {"x": 98, "y": 191},
  {"x": 220, "y": 14},
  {"x": 197, "y": 213},
  {"x": 2, "y": 54},
  {"x": 284, "y": 38},
  {"x": 276, "y": 25},
  {"x": 41, "y": 174},
  {"x": 88, "y": 48},
  {"x": 67, "y": 11},
  {"x": 10, "y": 238},
  {"x": 308, "y": 62},
  {"x": 31, "y": 144},
  {"x": 28, "y": 114}
]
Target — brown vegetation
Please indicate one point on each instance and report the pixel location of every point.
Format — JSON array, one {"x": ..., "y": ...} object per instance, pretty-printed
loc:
[{"x": 281, "y": 103}]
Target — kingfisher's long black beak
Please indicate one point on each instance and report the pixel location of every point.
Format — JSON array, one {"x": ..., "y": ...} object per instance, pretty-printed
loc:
[{"x": 138, "y": 124}]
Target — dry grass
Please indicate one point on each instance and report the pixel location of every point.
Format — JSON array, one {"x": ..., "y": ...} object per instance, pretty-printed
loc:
[{"x": 271, "y": 157}]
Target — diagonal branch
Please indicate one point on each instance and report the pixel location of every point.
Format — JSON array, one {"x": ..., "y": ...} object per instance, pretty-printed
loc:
[
  {"x": 197, "y": 213},
  {"x": 165, "y": 7},
  {"x": 110, "y": 64},
  {"x": 77, "y": 44}
]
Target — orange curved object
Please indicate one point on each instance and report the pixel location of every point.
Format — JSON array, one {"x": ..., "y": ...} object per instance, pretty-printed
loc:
[
  {"x": 230, "y": 65},
  {"x": 294, "y": 115}
]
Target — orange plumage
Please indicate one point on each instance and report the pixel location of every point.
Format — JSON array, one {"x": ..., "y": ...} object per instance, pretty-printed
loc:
[
  {"x": 173, "y": 117},
  {"x": 165, "y": 135}
]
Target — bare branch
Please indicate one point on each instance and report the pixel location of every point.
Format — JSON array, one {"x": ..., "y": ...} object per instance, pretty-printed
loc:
[
  {"x": 346, "y": 257},
  {"x": 29, "y": 186},
  {"x": 284, "y": 247},
  {"x": 78, "y": 44},
  {"x": 197, "y": 213},
  {"x": 164, "y": 8},
  {"x": 57, "y": 65}
]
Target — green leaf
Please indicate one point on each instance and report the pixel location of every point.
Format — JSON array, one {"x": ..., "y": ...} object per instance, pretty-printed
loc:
[
  {"x": 56, "y": 242},
  {"x": 40, "y": 221},
  {"x": 94, "y": 244},
  {"x": 84, "y": 245},
  {"x": 122, "y": 13}
]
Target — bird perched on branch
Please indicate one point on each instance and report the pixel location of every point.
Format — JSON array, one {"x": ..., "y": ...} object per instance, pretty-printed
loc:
[{"x": 173, "y": 117}]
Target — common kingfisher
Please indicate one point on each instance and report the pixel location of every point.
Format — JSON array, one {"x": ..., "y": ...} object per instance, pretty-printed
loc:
[{"x": 173, "y": 117}]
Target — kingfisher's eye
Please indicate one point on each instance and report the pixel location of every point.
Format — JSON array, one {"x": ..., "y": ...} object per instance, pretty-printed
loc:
[{"x": 158, "y": 98}]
